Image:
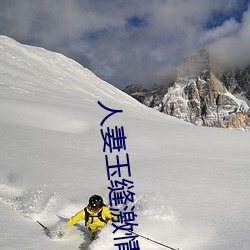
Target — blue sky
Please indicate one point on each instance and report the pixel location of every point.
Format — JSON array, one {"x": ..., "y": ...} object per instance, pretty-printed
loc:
[
  {"x": 131, "y": 41},
  {"x": 218, "y": 17}
]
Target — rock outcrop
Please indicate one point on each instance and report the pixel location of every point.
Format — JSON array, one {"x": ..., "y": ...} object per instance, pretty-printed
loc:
[{"x": 199, "y": 96}]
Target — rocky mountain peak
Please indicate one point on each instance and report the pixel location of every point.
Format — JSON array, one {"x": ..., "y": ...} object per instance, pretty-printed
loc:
[
  {"x": 196, "y": 64},
  {"x": 200, "y": 96}
]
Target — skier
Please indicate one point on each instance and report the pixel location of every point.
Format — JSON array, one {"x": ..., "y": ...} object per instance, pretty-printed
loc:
[{"x": 95, "y": 214}]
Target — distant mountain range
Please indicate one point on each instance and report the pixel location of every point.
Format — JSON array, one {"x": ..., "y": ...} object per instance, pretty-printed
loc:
[{"x": 202, "y": 94}]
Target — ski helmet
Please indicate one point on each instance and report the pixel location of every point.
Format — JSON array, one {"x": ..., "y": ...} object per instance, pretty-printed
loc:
[{"x": 95, "y": 202}]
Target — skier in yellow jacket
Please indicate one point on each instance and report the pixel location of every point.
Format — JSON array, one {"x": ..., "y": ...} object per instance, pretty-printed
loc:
[{"x": 95, "y": 214}]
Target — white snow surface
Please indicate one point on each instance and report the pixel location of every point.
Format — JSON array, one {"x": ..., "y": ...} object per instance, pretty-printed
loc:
[{"x": 192, "y": 183}]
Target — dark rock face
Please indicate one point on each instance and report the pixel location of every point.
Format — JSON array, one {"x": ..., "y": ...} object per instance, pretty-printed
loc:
[
  {"x": 237, "y": 81},
  {"x": 137, "y": 91},
  {"x": 200, "y": 97}
]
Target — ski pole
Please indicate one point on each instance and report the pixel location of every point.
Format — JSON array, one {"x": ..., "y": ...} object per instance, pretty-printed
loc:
[
  {"x": 159, "y": 243},
  {"x": 45, "y": 228}
]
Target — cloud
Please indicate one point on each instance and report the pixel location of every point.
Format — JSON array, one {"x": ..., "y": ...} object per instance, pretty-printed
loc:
[
  {"x": 228, "y": 28},
  {"x": 123, "y": 42},
  {"x": 233, "y": 49}
]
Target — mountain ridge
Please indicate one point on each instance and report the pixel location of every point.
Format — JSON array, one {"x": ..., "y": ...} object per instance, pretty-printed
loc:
[{"x": 200, "y": 95}]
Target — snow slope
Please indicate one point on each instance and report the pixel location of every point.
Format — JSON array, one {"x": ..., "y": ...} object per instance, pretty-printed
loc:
[{"x": 192, "y": 184}]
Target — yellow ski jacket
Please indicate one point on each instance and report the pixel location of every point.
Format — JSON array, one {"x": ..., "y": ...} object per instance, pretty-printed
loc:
[{"x": 93, "y": 222}]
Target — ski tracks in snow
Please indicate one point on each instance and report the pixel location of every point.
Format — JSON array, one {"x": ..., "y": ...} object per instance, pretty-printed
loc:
[
  {"x": 155, "y": 219},
  {"x": 40, "y": 204},
  {"x": 7, "y": 193},
  {"x": 32, "y": 204}
]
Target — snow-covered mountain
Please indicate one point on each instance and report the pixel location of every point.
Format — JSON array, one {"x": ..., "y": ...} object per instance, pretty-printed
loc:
[
  {"x": 201, "y": 95},
  {"x": 191, "y": 183}
]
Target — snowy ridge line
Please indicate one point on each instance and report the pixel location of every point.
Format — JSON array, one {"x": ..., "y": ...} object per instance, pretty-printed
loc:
[{"x": 39, "y": 72}]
